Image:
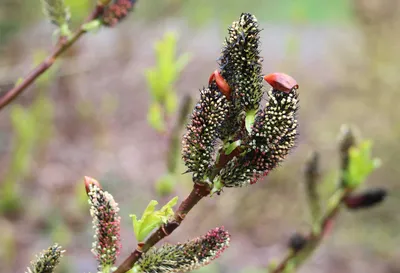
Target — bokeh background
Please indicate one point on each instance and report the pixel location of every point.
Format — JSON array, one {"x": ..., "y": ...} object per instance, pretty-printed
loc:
[{"x": 89, "y": 116}]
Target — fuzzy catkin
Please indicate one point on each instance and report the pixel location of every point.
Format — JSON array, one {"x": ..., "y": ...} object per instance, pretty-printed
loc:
[
  {"x": 184, "y": 257},
  {"x": 106, "y": 224},
  {"x": 204, "y": 128},
  {"x": 240, "y": 63},
  {"x": 47, "y": 260}
]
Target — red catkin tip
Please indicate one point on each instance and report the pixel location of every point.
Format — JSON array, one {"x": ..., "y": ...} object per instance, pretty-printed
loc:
[
  {"x": 223, "y": 86},
  {"x": 91, "y": 181},
  {"x": 281, "y": 82}
]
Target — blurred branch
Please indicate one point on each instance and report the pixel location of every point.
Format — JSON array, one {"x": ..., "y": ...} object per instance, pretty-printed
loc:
[
  {"x": 62, "y": 45},
  {"x": 198, "y": 192},
  {"x": 302, "y": 246},
  {"x": 311, "y": 175}
]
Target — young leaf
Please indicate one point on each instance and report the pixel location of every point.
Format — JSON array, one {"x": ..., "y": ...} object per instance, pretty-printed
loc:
[
  {"x": 250, "y": 116},
  {"x": 361, "y": 164},
  {"x": 152, "y": 219}
]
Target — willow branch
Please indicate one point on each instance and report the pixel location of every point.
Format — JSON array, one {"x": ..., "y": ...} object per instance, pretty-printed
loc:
[
  {"x": 198, "y": 192},
  {"x": 59, "y": 49},
  {"x": 296, "y": 257},
  {"x": 322, "y": 225}
]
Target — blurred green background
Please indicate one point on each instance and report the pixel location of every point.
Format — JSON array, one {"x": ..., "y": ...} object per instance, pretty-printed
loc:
[{"x": 95, "y": 114}]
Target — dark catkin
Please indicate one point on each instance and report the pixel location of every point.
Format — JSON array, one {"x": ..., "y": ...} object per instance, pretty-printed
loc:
[
  {"x": 240, "y": 63},
  {"x": 184, "y": 257},
  {"x": 366, "y": 199},
  {"x": 203, "y": 130}
]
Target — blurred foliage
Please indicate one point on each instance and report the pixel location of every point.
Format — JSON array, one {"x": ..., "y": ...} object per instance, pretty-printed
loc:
[
  {"x": 32, "y": 128},
  {"x": 224, "y": 11},
  {"x": 164, "y": 103},
  {"x": 161, "y": 80}
]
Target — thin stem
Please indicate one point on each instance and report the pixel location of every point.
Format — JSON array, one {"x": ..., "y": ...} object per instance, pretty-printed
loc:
[
  {"x": 59, "y": 49},
  {"x": 198, "y": 192}
]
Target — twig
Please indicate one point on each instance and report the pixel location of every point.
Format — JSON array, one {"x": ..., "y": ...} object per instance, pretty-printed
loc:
[
  {"x": 297, "y": 255},
  {"x": 199, "y": 191},
  {"x": 313, "y": 239},
  {"x": 60, "y": 48}
]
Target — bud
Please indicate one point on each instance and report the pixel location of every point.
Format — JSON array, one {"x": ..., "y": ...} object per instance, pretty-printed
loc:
[
  {"x": 106, "y": 224},
  {"x": 184, "y": 257},
  {"x": 203, "y": 130},
  {"x": 367, "y": 199},
  {"x": 117, "y": 11},
  {"x": 91, "y": 181},
  {"x": 297, "y": 242},
  {"x": 47, "y": 260}
]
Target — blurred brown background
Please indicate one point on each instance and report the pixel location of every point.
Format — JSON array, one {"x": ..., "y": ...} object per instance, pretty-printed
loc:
[{"x": 92, "y": 121}]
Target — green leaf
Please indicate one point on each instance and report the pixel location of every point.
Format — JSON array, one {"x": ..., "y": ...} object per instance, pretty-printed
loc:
[
  {"x": 250, "y": 117},
  {"x": 152, "y": 219},
  {"x": 155, "y": 117},
  {"x": 165, "y": 50},
  {"x": 361, "y": 164}
]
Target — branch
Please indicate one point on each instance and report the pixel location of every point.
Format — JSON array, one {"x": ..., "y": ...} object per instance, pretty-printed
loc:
[
  {"x": 60, "y": 48},
  {"x": 301, "y": 247},
  {"x": 295, "y": 257},
  {"x": 198, "y": 192}
]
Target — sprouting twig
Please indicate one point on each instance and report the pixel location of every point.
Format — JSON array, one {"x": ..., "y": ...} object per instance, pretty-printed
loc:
[
  {"x": 59, "y": 49},
  {"x": 322, "y": 225},
  {"x": 199, "y": 191}
]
